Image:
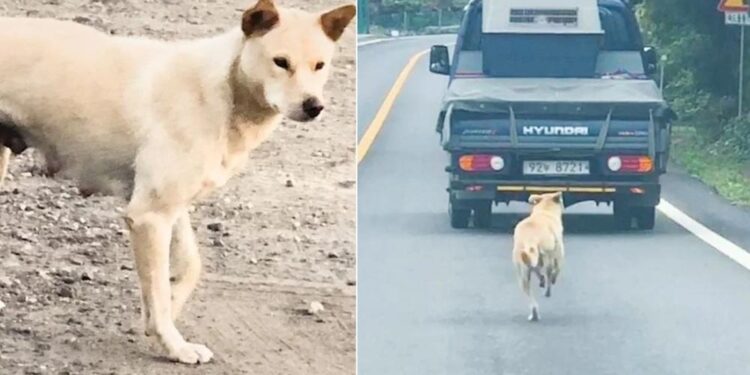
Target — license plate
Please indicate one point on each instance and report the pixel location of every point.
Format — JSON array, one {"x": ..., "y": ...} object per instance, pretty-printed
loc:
[{"x": 556, "y": 167}]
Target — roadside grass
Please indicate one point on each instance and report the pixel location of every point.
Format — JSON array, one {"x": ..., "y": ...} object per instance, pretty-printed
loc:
[{"x": 726, "y": 173}]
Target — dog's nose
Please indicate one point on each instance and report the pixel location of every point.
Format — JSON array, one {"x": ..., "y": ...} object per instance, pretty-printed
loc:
[{"x": 312, "y": 107}]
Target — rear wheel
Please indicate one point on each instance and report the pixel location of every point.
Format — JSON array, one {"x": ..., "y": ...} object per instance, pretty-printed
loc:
[
  {"x": 645, "y": 217},
  {"x": 459, "y": 216},
  {"x": 623, "y": 216},
  {"x": 483, "y": 215}
]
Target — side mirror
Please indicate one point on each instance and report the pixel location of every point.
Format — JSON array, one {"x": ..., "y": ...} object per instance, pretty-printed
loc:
[
  {"x": 439, "y": 60},
  {"x": 650, "y": 60}
]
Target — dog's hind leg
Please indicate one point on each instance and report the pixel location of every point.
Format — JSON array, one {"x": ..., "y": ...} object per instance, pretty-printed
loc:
[
  {"x": 4, "y": 161},
  {"x": 550, "y": 273},
  {"x": 524, "y": 277},
  {"x": 150, "y": 233},
  {"x": 185, "y": 263}
]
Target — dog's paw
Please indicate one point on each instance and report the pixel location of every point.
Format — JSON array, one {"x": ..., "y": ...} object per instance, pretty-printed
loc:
[
  {"x": 192, "y": 354},
  {"x": 548, "y": 293},
  {"x": 534, "y": 316}
]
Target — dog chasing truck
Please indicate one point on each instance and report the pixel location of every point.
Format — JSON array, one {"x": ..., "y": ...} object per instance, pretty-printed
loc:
[{"x": 552, "y": 96}]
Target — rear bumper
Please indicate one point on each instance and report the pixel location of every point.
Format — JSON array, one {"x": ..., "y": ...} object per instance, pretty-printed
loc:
[{"x": 635, "y": 193}]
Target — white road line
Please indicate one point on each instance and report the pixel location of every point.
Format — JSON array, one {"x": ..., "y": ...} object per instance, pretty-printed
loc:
[
  {"x": 708, "y": 236},
  {"x": 368, "y": 42}
]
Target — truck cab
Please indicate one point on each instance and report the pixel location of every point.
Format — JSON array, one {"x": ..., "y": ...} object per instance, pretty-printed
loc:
[{"x": 552, "y": 96}]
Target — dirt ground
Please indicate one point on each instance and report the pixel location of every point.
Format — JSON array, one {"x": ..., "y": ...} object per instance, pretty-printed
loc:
[{"x": 278, "y": 237}]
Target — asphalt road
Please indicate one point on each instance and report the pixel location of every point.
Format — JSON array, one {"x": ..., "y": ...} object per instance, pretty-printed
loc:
[{"x": 433, "y": 300}]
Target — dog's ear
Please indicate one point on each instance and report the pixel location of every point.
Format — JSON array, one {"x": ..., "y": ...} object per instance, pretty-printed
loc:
[
  {"x": 260, "y": 19},
  {"x": 335, "y": 21},
  {"x": 534, "y": 199},
  {"x": 557, "y": 197}
]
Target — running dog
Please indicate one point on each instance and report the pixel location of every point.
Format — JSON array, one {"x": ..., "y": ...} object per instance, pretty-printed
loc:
[
  {"x": 538, "y": 246},
  {"x": 161, "y": 124}
]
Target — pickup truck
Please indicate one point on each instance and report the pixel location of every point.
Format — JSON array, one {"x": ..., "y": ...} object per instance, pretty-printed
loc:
[{"x": 552, "y": 96}]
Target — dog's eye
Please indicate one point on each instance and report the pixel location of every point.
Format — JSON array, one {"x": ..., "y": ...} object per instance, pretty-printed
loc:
[
  {"x": 320, "y": 65},
  {"x": 281, "y": 62}
]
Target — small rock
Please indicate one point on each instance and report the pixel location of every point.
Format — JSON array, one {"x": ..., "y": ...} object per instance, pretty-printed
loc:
[
  {"x": 332, "y": 255},
  {"x": 351, "y": 282},
  {"x": 218, "y": 242},
  {"x": 43, "y": 274},
  {"x": 126, "y": 267},
  {"x": 2, "y": 305},
  {"x": 82, "y": 20},
  {"x": 5, "y": 282},
  {"x": 347, "y": 184},
  {"x": 289, "y": 183},
  {"x": 215, "y": 227},
  {"x": 87, "y": 275},
  {"x": 315, "y": 308},
  {"x": 76, "y": 261},
  {"x": 66, "y": 292}
]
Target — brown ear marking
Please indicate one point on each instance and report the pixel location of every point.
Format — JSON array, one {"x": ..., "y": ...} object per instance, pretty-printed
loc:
[
  {"x": 557, "y": 197},
  {"x": 260, "y": 19},
  {"x": 335, "y": 21}
]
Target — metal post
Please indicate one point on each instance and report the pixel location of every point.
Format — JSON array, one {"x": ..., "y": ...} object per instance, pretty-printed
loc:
[
  {"x": 742, "y": 73},
  {"x": 661, "y": 78},
  {"x": 662, "y": 65}
]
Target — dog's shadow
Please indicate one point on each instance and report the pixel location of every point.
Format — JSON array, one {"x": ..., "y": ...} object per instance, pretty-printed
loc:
[{"x": 518, "y": 319}]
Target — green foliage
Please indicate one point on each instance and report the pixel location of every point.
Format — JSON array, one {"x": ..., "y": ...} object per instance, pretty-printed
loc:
[
  {"x": 701, "y": 72},
  {"x": 724, "y": 171},
  {"x": 698, "y": 44},
  {"x": 415, "y": 15}
]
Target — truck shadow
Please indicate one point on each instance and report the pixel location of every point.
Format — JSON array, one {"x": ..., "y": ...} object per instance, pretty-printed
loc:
[{"x": 573, "y": 223}]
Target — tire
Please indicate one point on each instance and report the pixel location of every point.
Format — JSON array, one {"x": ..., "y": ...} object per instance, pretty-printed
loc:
[
  {"x": 623, "y": 215},
  {"x": 459, "y": 216},
  {"x": 645, "y": 217},
  {"x": 483, "y": 215}
]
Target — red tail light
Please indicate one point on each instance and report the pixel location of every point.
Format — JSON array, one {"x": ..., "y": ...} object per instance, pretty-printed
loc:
[
  {"x": 481, "y": 163},
  {"x": 630, "y": 164}
]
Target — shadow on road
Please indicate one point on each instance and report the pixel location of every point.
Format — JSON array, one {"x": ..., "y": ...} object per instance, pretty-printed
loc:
[{"x": 573, "y": 223}]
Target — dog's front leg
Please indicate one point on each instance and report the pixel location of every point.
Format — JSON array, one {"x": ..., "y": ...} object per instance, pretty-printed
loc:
[
  {"x": 185, "y": 263},
  {"x": 150, "y": 233},
  {"x": 4, "y": 161}
]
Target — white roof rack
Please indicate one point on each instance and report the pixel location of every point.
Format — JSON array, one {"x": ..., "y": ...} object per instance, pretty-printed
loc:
[{"x": 541, "y": 17}]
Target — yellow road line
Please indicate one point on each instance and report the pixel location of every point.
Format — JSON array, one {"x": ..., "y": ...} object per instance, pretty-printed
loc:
[{"x": 377, "y": 123}]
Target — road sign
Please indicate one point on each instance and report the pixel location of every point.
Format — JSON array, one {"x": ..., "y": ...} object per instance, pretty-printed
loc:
[
  {"x": 736, "y": 13},
  {"x": 733, "y": 6},
  {"x": 737, "y": 18}
]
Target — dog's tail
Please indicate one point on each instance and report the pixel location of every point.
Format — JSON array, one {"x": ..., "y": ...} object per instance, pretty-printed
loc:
[{"x": 530, "y": 256}]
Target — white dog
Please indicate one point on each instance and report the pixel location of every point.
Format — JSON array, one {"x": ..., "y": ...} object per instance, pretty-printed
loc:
[
  {"x": 161, "y": 123},
  {"x": 538, "y": 246}
]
